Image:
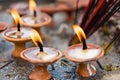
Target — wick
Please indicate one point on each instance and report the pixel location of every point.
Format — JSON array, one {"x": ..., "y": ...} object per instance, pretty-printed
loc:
[
  {"x": 35, "y": 16},
  {"x": 35, "y": 13},
  {"x": 40, "y": 46},
  {"x": 84, "y": 44},
  {"x": 18, "y": 27}
]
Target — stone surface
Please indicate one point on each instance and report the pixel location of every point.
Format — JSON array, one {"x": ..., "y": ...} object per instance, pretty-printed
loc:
[{"x": 64, "y": 69}]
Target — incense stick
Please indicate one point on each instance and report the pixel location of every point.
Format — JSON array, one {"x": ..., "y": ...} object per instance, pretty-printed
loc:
[
  {"x": 112, "y": 11},
  {"x": 115, "y": 38},
  {"x": 92, "y": 21},
  {"x": 99, "y": 64},
  {"x": 76, "y": 11},
  {"x": 88, "y": 11},
  {"x": 93, "y": 16}
]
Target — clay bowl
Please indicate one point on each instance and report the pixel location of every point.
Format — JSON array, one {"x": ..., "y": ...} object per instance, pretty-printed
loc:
[
  {"x": 21, "y": 7},
  {"x": 63, "y": 5},
  {"x": 3, "y": 26},
  {"x": 18, "y": 41},
  {"x": 85, "y": 69},
  {"x": 27, "y": 55},
  {"x": 50, "y": 9},
  {"x": 42, "y": 20},
  {"x": 90, "y": 46},
  {"x": 40, "y": 71},
  {"x": 6, "y": 35}
]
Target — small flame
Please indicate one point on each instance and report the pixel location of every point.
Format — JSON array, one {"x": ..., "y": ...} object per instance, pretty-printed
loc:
[
  {"x": 79, "y": 31},
  {"x": 32, "y": 5},
  {"x": 16, "y": 16},
  {"x": 35, "y": 37}
]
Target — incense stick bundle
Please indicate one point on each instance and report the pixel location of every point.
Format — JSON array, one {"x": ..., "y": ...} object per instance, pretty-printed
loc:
[
  {"x": 112, "y": 9},
  {"x": 96, "y": 14},
  {"x": 88, "y": 11}
]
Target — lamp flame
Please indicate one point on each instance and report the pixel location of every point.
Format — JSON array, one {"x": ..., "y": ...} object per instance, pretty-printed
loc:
[
  {"x": 35, "y": 37},
  {"x": 32, "y": 5},
  {"x": 16, "y": 16},
  {"x": 80, "y": 33}
]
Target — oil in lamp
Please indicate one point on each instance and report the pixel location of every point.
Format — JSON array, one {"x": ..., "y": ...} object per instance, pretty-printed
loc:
[
  {"x": 19, "y": 36},
  {"x": 84, "y": 54},
  {"x": 40, "y": 56},
  {"x": 35, "y": 20}
]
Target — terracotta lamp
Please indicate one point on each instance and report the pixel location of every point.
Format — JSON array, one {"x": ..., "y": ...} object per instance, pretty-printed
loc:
[
  {"x": 68, "y": 7},
  {"x": 19, "y": 36},
  {"x": 20, "y": 6},
  {"x": 3, "y": 26},
  {"x": 41, "y": 57},
  {"x": 19, "y": 39},
  {"x": 35, "y": 21},
  {"x": 63, "y": 5},
  {"x": 84, "y": 54}
]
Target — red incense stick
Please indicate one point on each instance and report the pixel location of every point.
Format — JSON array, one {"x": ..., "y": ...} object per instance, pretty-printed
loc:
[
  {"x": 104, "y": 9},
  {"x": 88, "y": 11},
  {"x": 94, "y": 14}
]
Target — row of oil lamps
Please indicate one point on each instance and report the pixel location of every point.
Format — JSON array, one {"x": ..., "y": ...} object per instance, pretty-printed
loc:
[{"x": 42, "y": 56}]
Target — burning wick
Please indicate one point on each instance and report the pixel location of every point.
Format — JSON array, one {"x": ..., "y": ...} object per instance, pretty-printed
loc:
[
  {"x": 81, "y": 35},
  {"x": 18, "y": 25},
  {"x": 17, "y": 20},
  {"x": 79, "y": 31},
  {"x": 40, "y": 54},
  {"x": 32, "y": 6},
  {"x": 84, "y": 44},
  {"x": 38, "y": 42},
  {"x": 35, "y": 13},
  {"x": 40, "y": 46},
  {"x": 37, "y": 39}
]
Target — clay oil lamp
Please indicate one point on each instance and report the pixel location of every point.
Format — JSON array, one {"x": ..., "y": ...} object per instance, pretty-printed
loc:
[
  {"x": 40, "y": 56},
  {"x": 3, "y": 26},
  {"x": 84, "y": 54},
  {"x": 20, "y": 6},
  {"x": 35, "y": 20},
  {"x": 62, "y": 5},
  {"x": 19, "y": 36}
]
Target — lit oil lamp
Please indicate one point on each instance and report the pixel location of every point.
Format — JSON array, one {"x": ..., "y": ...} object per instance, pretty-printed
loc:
[
  {"x": 35, "y": 20},
  {"x": 19, "y": 36},
  {"x": 40, "y": 56},
  {"x": 83, "y": 54}
]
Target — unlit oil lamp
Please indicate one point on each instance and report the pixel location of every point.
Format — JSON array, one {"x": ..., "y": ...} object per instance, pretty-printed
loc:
[
  {"x": 19, "y": 36},
  {"x": 84, "y": 54},
  {"x": 40, "y": 56},
  {"x": 35, "y": 21}
]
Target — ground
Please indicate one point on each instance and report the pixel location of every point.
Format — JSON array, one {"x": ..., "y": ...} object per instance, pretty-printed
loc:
[{"x": 18, "y": 69}]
